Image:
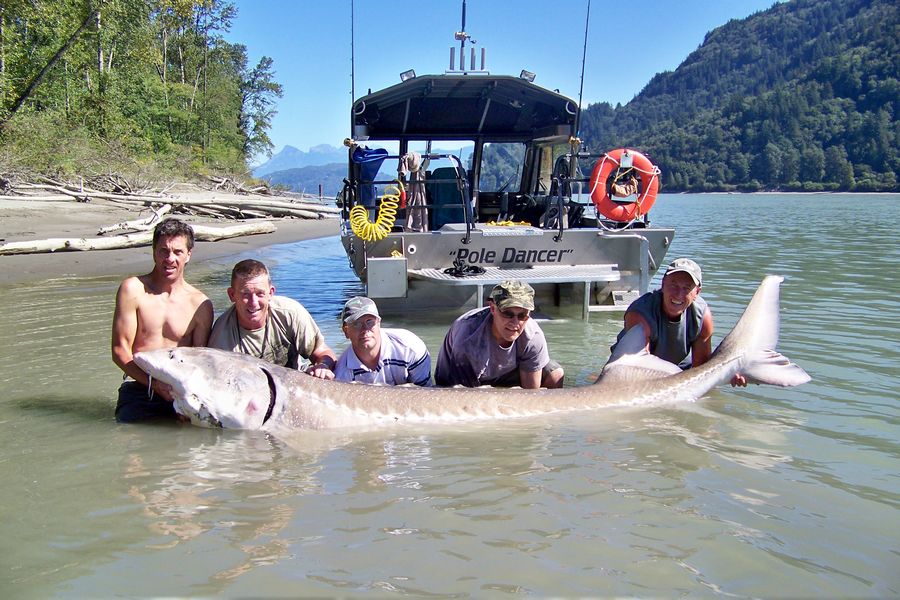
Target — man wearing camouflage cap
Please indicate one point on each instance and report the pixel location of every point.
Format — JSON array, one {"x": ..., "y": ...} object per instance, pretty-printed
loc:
[
  {"x": 677, "y": 322},
  {"x": 498, "y": 345}
]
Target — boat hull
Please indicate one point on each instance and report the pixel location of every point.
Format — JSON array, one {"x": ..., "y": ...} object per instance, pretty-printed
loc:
[{"x": 619, "y": 264}]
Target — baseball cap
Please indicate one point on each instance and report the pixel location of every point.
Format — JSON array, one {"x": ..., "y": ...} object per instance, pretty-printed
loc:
[
  {"x": 357, "y": 307},
  {"x": 513, "y": 293},
  {"x": 688, "y": 266}
]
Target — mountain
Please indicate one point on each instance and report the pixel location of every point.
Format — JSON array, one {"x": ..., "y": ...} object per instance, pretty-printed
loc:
[
  {"x": 293, "y": 158},
  {"x": 307, "y": 179},
  {"x": 802, "y": 96}
]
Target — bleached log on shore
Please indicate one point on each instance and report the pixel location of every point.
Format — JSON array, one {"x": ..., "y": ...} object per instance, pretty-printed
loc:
[
  {"x": 306, "y": 210},
  {"x": 139, "y": 224},
  {"x": 84, "y": 195},
  {"x": 205, "y": 233},
  {"x": 257, "y": 204},
  {"x": 202, "y": 233},
  {"x": 130, "y": 240},
  {"x": 39, "y": 198}
]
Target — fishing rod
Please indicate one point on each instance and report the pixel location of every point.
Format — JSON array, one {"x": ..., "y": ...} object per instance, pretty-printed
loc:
[
  {"x": 587, "y": 21},
  {"x": 352, "y": 64}
]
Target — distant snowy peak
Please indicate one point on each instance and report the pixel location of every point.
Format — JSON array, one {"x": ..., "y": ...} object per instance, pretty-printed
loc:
[{"x": 293, "y": 158}]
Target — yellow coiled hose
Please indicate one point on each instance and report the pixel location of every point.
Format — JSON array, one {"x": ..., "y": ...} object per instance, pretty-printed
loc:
[{"x": 368, "y": 231}]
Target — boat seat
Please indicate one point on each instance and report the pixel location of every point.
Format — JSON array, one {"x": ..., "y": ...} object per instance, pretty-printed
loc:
[{"x": 446, "y": 198}]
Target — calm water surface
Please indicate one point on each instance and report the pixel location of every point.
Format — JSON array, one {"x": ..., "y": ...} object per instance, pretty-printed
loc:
[{"x": 760, "y": 492}]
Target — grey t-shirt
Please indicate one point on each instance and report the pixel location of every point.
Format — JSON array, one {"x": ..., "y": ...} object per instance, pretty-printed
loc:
[
  {"x": 290, "y": 333},
  {"x": 471, "y": 356}
]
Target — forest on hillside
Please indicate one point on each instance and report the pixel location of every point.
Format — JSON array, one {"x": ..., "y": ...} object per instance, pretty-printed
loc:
[
  {"x": 803, "y": 96},
  {"x": 129, "y": 86}
]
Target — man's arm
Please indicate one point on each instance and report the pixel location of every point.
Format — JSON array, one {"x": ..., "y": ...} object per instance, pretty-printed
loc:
[
  {"x": 530, "y": 380},
  {"x": 203, "y": 324},
  {"x": 323, "y": 359},
  {"x": 701, "y": 349},
  {"x": 420, "y": 370}
]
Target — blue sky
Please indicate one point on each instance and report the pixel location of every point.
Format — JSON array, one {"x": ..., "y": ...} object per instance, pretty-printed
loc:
[{"x": 309, "y": 40}]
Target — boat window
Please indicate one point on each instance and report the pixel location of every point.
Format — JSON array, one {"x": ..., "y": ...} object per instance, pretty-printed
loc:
[
  {"x": 551, "y": 164},
  {"x": 461, "y": 149},
  {"x": 501, "y": 167}
]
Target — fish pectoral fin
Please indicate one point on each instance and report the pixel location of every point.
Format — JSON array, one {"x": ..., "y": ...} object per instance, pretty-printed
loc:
[{"x": 772, "y": 368}]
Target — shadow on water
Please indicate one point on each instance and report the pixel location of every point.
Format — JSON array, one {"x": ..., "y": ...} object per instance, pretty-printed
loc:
[{"x": 70, "y": 408}]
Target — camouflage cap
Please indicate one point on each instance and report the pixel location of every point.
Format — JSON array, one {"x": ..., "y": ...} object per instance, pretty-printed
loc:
[
  {"x": 356, "y": 307},
  {"x": 688, "y": 266},
  {"x": 513, "y": 293}
]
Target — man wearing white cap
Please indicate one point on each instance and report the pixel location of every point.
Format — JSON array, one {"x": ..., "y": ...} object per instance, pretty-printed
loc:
[
  {"x": 376, "y": 355},
  {"x": 677, "y": 322}
]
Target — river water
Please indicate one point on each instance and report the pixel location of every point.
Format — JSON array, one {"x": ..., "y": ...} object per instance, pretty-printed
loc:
[{"x": 757, "y": 492}]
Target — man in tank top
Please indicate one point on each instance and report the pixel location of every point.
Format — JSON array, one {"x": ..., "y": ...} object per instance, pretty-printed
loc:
[
  {"x": 677, "y": 322},
  {"x": 157, "y": 310},
  {"x": 274, "y": 328}
]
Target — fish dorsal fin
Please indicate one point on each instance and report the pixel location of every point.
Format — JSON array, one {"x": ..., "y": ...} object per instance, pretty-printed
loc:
[
  {"x": 633, "y": 342},
  {"x": 632, "y": 360}
]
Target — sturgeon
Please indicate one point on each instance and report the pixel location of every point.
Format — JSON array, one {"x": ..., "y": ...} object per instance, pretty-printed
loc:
[{"x": 215, "y": 388}]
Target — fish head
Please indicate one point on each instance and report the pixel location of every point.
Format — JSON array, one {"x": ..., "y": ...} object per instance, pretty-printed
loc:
[{"x": 216, "y": 388}]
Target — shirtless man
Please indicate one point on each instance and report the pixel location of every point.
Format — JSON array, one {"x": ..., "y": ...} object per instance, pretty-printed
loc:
[{"x": 157, "y": 310}]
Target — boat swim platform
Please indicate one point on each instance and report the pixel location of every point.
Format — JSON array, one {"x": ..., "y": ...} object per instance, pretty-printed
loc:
[{"x": 585, "y": 274}]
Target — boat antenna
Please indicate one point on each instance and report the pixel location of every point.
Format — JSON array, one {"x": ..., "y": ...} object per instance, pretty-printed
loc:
[
  {"x": 462, "y": 37},
  {"x": 352, "y": 61},
  {"x": 587, "y": 21}
]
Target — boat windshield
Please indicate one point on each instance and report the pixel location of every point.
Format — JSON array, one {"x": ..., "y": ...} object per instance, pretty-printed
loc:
[{"x": 502, "y": 167}]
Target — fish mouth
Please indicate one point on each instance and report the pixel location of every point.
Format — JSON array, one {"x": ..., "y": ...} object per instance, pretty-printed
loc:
[{"x": 272, "y": 394}]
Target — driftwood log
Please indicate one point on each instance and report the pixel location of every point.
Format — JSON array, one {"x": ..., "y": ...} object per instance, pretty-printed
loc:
[
  {"x": 140, "y": 224},
  {"x": 145, "y": 238}
]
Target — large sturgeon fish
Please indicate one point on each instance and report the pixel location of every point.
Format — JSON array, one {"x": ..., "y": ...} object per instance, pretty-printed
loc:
[{"x": 224, "y": 389}]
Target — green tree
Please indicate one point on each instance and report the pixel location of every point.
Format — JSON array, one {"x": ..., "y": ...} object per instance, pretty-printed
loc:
[
  {"x": 258, "y": 93},
  {"x": 838, "y": 169},
  {"x": 812, "y": 164}
]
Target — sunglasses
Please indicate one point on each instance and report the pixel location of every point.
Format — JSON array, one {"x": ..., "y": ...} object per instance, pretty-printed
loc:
[
  {"x": 365, "y": 323},
  {"x": 508, "y": 314}
]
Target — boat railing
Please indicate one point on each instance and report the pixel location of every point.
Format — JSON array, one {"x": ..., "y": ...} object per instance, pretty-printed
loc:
[
  {"x": 454, "y": 175},
  {"x": 566, "y": 188}
]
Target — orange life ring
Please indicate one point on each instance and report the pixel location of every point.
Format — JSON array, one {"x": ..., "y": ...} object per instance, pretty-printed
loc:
[{"x": 601, "y": 184}]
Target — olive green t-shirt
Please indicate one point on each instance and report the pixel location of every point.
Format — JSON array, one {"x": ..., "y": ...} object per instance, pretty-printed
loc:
[{"x": 290, "y": 333}]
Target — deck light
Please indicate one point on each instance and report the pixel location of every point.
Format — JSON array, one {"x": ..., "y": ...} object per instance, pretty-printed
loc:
[
  {"x": 407, "y": 75},
  {"x": 527, "y": 76}
]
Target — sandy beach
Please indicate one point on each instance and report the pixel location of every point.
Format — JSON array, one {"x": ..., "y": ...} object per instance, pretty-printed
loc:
[{"x": 31, "y": 219}]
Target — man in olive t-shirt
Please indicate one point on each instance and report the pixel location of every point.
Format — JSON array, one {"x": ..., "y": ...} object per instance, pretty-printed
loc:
[{"x": 274, "y": 328}]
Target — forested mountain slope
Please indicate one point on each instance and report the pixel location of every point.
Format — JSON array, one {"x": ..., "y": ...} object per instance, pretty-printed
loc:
[
  {"x": 111, "y": 85},
  {"x": 803, "y": 96}
]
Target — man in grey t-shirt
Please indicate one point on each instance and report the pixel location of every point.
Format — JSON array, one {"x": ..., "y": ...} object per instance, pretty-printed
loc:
[{"x": 498, "y": 345}]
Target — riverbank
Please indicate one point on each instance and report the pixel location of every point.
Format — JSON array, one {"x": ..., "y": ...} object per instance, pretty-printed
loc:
[{"x": 30, "y": 219}]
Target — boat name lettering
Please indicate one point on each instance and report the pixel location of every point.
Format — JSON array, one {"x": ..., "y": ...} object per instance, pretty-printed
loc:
[{"x": 512, "y": 255}]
